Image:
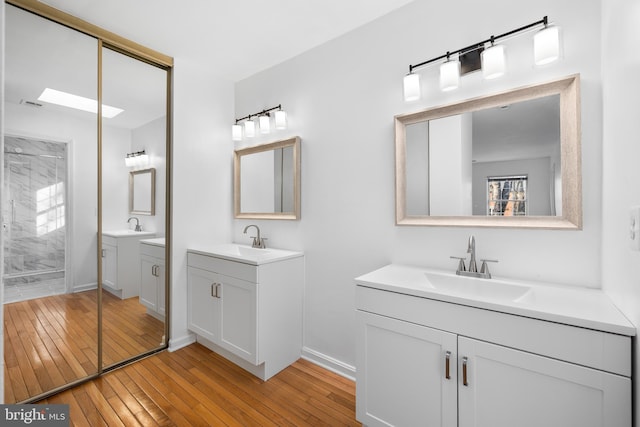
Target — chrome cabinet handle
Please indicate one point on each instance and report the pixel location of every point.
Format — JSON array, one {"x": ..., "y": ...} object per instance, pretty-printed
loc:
[
  {"x": 464, "y": 372},
  {"x": 447, "y": 365},
  {"x": 103, "y": 252},
  {"x": 215, "y": 290},
  {"x": 212, "y": 285}
]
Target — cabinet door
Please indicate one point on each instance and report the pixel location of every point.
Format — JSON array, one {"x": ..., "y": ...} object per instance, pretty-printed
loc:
[
  {"x": 509, "y": 388},
  {"x": 110, "y": 266},
  {"x": 203, "y": 306},
  {"x": 402, "y": 373},
  {"x": 160, "y": 283},
  {"x": 148, "y": 282},
  {"x": 238, "y": 310}
]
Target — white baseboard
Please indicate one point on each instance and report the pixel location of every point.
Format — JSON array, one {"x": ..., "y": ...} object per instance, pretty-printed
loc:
[
  {"x": 85, "y": 287},
  {"x": 178, "y": 343},
  {"x": 329, "y": 363}
]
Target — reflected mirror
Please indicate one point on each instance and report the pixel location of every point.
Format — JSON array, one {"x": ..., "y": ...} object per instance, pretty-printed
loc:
[
  {"x": 505, "y": 160},
  {"x": 267, "y": 181},
  {"x": 142, "y": 192}
]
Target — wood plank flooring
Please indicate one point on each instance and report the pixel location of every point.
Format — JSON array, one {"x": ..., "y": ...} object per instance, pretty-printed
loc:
[
  {"x": 51, "y": 341},
  {"x": 196, "y": 387}
]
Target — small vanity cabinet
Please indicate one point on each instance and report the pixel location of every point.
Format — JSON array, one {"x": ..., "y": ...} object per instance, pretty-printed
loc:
[
  {"x": 121, "y": 261},
  {"x": 427, "y": 359},
  {"x": 152, "y": 276},
  {"x": 246, "y": 304}
]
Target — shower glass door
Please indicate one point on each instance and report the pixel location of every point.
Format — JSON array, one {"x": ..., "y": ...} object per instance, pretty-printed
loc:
[{"x": 34, "y": 212}]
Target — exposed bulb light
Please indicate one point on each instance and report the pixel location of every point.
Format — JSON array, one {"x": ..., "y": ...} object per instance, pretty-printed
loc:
[
  {"x": 281, "y": 119},
  {"x": 493, "y": 61},
  {"x": 450, "y": 75},
  {"x": 546, "y": 45},
  {"x": 137, "y": 159},
  {"x": 70, "y": 100},
  {"x": 236, "y": 132},
  {"x": 265, "y": 124},
  {"x": 411, "y": 87},
  {"x": 249, "y": 128}
]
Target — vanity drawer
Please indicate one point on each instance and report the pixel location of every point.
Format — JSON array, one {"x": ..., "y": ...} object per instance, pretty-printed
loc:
[
  {"x": 587, "y": 347},
  {"x": 222, "y": 266},
  {"x": 152, "y": 250}
]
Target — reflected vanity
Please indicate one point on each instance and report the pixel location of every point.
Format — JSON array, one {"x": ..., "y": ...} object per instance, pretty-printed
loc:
[
  {"x": 267, "y": 181},
  {"x": 505, "y": 160}
]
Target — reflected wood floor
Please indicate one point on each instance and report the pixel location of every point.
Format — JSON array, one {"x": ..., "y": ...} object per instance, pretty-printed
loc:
[
  {"x": 195, "y": 386},
  {"x": 51, "y": 341}
]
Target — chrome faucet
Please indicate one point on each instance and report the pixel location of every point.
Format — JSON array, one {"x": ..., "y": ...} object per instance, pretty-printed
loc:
[
  {"x": 258, "y": 242},
  {"x": 472, "y": 271},
  {"x": 138, "y": 226}
]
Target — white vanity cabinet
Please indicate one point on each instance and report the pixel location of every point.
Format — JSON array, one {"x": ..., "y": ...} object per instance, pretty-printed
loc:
[
  {"x": 152, "y": 277},
  {"x": 426, "y": 362},
  {"x": 247, "y": 308},
  {"x": 121, "y": 261}
]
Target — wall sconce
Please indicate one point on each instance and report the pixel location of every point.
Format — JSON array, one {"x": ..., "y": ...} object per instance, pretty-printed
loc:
[
  {"x": 491, "y": 60},
  {"x": 136, "y": 159},
  {"x": 264, "y": 121}
]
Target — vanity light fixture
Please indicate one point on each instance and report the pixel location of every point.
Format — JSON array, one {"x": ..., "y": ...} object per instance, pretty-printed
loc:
[
  {"x": 264, "y": 119},
  {"x": 136, "y": 159},
  {"x": 493, "y": 64}
]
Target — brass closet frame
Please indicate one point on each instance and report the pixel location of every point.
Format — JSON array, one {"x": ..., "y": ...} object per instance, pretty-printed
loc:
[{"x": 107, "y": 39}]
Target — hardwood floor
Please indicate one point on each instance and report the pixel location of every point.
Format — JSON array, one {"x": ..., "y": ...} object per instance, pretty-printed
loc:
[
  {"x": 195, "y": 386},
  {"x": 49, "y": 342}
]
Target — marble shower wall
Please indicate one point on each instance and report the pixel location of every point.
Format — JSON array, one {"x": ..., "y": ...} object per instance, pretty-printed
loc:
[{"x": 33, "y": 215}]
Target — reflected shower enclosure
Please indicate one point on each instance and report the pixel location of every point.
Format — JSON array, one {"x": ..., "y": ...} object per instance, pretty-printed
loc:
[{"x": 34, "y": 218}]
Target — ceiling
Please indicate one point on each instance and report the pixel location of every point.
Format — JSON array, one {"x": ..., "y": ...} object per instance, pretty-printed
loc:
[{"x": 236, "y": 38}]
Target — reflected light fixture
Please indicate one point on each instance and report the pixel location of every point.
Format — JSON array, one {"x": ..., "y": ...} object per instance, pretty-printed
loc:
[
  {"x": 264, "y": 119},
  {"x": 136, "y": 159},
  {"x": 450, "y": 74},
  {"x": 493, "y": 61},
  {"x": 70, "y": 100}
]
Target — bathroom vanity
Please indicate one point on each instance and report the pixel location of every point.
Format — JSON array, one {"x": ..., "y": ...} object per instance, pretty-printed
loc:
[
  {"x": 121, "y": 261},
  {"x": 246, "y": 304},
  {"x": 152, "y": 277},
  {"x": 436, "y": 349}
]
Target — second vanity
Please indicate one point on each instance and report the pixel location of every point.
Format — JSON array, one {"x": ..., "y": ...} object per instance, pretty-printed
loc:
[
  {"x": 436, "y": 349},
  {"x": 246, "y": 304}
]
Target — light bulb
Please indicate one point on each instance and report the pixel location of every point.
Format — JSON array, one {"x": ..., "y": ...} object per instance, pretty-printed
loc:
[
  {"x": 546, "y": 45},
  {"x": 129, "y": 161},
  {"x": 236, "y": 132},
  {"x": 450, "y": 75},
  {"x": 411, "y": 86},
  {"x": 281, "y": 119},
  {"x": 265, "y": 125},
  {"x": 493, "y": 62},
  {"x": 250, "y": 128}
]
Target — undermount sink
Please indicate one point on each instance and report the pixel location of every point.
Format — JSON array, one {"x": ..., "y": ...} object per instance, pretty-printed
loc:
[{"x": 471, "y": 287}]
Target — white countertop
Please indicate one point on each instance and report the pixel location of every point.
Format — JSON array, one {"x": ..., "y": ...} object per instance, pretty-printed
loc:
[
  {"x": 245, "y": 253},
  {"x": 571, "y": 305},
  {"x": 158, "y": 241},
  {"x": 128, "y": 233}
]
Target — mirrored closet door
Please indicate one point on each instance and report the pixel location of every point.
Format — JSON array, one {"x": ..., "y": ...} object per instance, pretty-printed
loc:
[{"x": 84, "y": 278}]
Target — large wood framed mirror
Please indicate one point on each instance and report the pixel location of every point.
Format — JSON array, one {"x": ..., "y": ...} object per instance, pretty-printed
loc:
[
  {"x": 267, "y": 180},
  {"x": 505, "y": 160},
  {"x": 65, "y": 201}
]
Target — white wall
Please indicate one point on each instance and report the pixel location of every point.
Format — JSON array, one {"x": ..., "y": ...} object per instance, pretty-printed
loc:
[
  {"x": 341, "y": 98},
  {"x": 202, "y": 175},
  {"x": 620, "y": 154}
]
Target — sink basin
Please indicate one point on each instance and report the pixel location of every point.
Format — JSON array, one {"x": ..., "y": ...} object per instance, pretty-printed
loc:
[
  {"x": 471, "y": 287},
  {"x": 127, "y": 232},
  {"x": 247, "y": 254}
]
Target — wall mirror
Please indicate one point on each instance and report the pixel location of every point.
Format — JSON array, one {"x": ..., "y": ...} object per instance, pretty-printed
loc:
[
  {"x": 267, "y": 181},
  {"x": 506, "y": 160},
  {"x": 142, "y": 192}
]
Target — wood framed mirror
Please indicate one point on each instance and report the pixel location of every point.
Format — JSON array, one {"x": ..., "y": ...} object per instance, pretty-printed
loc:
[
  {"x": 142, "y": 192},
  {"x": 267, "y": 181},
  {"x": 511, "y": 159}
]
